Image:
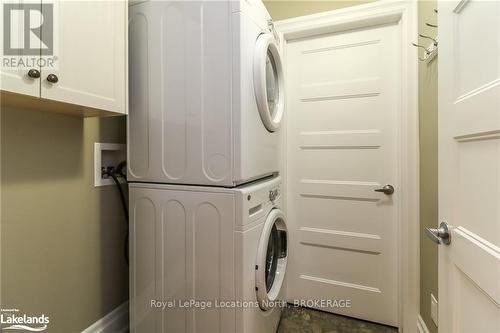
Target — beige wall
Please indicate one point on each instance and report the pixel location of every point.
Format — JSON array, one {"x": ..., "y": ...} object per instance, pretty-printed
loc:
[
  {"x": 427, "y": 75},
  {"x": 428, "y": 135},
  {"x": 62, "y": 239}
]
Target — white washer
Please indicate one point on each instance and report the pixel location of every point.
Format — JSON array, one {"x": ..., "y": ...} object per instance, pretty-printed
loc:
[
  {"x": 193, "y": 243},
  {"x": 206, "y": 93},
  {"x": 261, "y": 236}
]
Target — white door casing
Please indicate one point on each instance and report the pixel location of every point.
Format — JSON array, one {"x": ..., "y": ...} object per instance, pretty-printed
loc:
[
  {"x": 469, "y": 165},
  {"x": 403, "y": 15},
  {"x": 91, "y": 55}
]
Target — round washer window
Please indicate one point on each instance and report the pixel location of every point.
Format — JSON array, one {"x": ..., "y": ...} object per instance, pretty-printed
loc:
[
  {"x": 272, "y": 85},
  {"x": 271, "y": 259},
  {"x": 268, "y": 82},
  {"x": 276, "y": 250}
]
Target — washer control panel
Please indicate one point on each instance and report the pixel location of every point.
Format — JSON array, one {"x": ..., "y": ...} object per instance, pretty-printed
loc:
[
  {"x": 273, "y": 194},
  {"x": 259, "y": 198}
]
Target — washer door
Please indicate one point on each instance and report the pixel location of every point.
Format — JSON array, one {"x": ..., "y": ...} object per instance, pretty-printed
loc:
[
  {"x": 271, "y": 260},
  {"x": 269, "y": 82}
]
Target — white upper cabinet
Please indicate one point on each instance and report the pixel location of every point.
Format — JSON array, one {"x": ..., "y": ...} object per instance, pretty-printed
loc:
[
  {"x": 89, "y": 41},
  {"x": 23, "y": 80},
  {"x": 91, "y": 56}
]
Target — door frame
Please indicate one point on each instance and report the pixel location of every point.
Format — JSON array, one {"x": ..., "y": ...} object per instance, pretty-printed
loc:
[{"x": 403, "y": 13}]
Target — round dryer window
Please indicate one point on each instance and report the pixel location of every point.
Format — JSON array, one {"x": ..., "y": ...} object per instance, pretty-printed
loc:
[
  {"x": 268, "y": 82},
  {"x": 271, "y": 260}
]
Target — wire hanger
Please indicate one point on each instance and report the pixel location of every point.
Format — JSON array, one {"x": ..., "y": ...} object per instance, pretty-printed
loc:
[{"x": 428, "y": 37}]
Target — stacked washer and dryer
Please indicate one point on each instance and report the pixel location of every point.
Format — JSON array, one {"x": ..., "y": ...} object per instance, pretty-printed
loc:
[{"x": 208, "y": 241}]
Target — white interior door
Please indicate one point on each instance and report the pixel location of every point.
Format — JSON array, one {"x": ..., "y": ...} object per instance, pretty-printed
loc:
[
  {"x": 469, "y": 165},
  {"x": 343, "y": 139}
]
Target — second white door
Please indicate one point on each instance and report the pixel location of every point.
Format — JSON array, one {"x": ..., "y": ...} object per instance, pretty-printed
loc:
[
  {"x": 469, "y": 166},
  {"x": 343, "y": 145}
]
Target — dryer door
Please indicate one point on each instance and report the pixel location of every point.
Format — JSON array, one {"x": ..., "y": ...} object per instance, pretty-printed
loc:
[
  {"x": 269, "y": 82},
  {"x": 272, "y": 255}
]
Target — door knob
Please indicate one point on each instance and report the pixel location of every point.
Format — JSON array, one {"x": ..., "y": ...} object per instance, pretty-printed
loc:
[
  {"x": 34, "y": 73},
  {"x": 387, "y": 189},
  {"x": 52, "y": 78},
  {"x": 439, "y": 235}
]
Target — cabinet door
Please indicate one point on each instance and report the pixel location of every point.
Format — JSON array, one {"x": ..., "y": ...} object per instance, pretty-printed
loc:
[
  {"x": 13, "y": 76},
  {"x": 91, "y": 69}
]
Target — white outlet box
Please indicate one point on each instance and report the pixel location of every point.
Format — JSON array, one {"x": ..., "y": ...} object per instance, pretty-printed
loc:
[
  {"x": 434, "y": 309},
  {"x": 107, "y": 154}
]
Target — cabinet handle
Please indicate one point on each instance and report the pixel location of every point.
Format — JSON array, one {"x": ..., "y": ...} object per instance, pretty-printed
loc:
[
  {"x": 34, "y": 73},
  {"x": 52, "y": 78}
]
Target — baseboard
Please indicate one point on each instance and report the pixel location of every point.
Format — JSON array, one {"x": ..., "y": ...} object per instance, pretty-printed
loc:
[
  {"x": 114, "y": 322},
  {"x": 421, "y": 327}
]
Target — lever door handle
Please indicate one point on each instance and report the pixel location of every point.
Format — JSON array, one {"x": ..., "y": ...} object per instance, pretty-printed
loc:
[
  {"x": 439, "y": 235},
  {"x": 387, "y": 189}
]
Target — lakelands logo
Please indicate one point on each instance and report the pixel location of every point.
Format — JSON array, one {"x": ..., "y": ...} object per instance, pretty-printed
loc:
[
  {"x": 28, "y": 35},
  {"x": 11, "y": 319}
]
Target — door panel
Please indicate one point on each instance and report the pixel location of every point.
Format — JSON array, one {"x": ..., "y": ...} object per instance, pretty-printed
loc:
[
  {"x": 17, "y": 80},
  {"x": 91, "y": 53},
  {"x": 343, "y": 114},
  {"x": 469, "y": 165}
]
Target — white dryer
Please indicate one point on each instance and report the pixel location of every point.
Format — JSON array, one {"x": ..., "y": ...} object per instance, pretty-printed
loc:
[
  {"x": 206, "y": 92},
  {"x": 207, "y": 259}
]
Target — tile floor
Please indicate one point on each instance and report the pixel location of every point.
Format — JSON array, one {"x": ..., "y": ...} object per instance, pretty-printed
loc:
[{"x": 302, "y": 320}]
